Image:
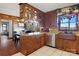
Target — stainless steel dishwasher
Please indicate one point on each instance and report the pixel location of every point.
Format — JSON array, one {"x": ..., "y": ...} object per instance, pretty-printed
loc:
[{"x": 51, "y": 40}]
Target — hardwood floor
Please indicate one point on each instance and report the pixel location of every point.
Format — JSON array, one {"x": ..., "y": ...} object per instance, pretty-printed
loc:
[{"x": 7, "y": 47}]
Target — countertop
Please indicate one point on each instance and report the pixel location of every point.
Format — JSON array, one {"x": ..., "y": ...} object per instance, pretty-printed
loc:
[
  {"x": 37, "y": 33},
  {"x": 32, "y": 34}
]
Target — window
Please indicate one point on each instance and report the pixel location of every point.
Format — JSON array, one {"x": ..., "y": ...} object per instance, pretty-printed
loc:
[
  {"x": 4, "y": 27},
  {"x": 67, "y": 22}
]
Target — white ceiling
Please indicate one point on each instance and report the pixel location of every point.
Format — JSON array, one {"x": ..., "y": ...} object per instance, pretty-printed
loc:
[
  {"x": 45, "y": 7},
  {"x": 13, "y": 8},
  {"x": 10, "y": 8}
]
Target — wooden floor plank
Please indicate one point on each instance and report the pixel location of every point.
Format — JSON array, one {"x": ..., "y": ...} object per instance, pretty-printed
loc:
[{"x": 9, "y": 49}]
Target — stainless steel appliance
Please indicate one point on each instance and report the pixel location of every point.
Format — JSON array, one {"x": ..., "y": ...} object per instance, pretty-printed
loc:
[{"x": 51, "y": 41}]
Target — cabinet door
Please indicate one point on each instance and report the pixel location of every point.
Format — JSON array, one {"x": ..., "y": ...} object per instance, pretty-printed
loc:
[
  {"x": 67, "y": 45},
  {"x": 59, "y": 43},
  {"x": 70, "y": 45},
  {"x": 47, "y": 39},
  {"x": 35, "y": 42},
  {"x": 30, "y": 44},
  {"x": 22, "y": 48},
  {"x": 77, "y": 44},
  {"x": 42, "y": 40}
]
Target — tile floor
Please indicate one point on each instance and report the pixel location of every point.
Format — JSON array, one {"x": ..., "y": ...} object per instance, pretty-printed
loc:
[
  {"x": 48, "y": 51},
  {"x": 18, "y": 54}
]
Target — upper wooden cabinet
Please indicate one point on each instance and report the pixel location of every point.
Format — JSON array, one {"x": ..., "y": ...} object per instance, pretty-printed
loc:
[{"x": 28, "y": 12}]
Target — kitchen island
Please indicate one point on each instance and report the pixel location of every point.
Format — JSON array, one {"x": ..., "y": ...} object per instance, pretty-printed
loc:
[{"x": 31, "y": 42}]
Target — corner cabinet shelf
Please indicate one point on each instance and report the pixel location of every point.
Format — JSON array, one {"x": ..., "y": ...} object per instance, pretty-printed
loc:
[
  {"x": 28, "y": 12},
  {"x": 31, "y": 15}
]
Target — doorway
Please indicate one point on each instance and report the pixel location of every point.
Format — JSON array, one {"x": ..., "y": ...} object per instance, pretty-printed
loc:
[{"x": 6, "y": 28}]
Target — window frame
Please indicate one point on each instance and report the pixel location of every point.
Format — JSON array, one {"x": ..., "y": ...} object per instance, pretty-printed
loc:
[{"x": 69, "y": 29}]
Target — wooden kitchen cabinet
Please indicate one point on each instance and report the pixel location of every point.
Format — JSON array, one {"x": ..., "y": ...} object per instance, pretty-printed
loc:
[
  {"x": 77, "y": 37},
  {"x": 42, "y": 40},
  {"x": 29, "y": 44},
  {"x": 22, "y": 45},
  {"x": 59, "y": 43},
  {"x": 68, "y": 44},
  {"x": 28, "y": 12}
]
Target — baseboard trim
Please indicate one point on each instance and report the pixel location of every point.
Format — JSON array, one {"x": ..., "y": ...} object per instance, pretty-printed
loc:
[{"x": 50, "y": 46}]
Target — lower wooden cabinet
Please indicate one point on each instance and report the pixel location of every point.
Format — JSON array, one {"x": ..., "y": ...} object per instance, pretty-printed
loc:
[
  {"x": 69, "y": 45},
  {"x": 59, "y": 43},
  {"x": 77, "y": 44},
  {"x": 29, "y": 44}
]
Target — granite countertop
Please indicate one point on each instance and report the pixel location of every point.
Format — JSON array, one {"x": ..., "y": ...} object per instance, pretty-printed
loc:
[
  {"x": 31, "y": 34},
  {"x": 49, "y": 33},
  {"x": 37, "y": 33}
]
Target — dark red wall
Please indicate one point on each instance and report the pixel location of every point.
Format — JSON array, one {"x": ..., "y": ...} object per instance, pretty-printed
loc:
[{"x": 50, "y": 19}]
